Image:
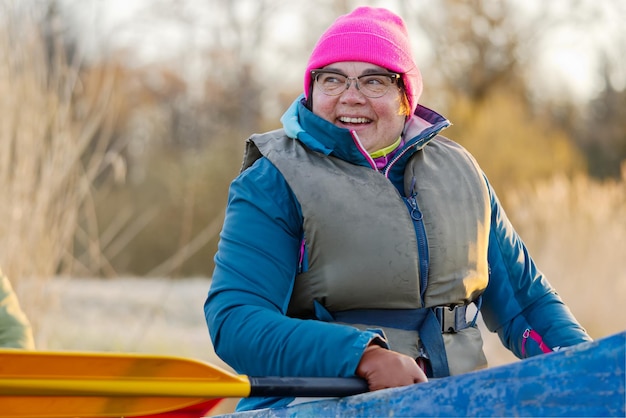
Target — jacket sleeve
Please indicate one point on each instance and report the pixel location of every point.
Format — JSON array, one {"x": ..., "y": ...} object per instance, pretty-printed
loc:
[
  {"x": 255, "y": 267},
  {"x": 15, "y": 329},
  {"x": 519, "y": 298}
]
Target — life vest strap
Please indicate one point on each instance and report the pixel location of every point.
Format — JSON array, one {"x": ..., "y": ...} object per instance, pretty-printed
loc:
[{"x": 430, "y": 324}]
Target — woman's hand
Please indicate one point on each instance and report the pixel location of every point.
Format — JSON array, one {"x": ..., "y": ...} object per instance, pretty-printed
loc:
[{"x": 384, "y": 368}]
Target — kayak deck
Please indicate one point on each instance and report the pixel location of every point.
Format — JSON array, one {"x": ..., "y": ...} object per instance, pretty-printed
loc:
[{"x": 585, "y": 380}]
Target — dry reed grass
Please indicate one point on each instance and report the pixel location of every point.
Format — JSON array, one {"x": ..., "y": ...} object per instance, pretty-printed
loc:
[
  {"x": 51, "y": 150},
  {"x": 576, "y": 231}
]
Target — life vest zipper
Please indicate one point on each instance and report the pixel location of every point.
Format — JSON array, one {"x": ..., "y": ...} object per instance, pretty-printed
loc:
[
  {"x": 422, "y": 241},
  {"x": 415, "y": 143}
]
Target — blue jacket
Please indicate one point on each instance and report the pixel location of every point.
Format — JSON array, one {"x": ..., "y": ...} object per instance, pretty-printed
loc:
[{"x": 259, "y": 256}]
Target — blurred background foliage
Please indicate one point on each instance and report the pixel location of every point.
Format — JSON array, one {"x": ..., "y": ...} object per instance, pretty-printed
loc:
[{"x": 116, "y": 164}]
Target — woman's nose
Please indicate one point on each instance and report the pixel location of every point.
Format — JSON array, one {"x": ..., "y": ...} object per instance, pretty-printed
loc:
[{"x": 352, "y": 93}]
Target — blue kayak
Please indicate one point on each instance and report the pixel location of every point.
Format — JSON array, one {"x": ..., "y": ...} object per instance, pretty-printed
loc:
[{"x": 583, "y": 381}]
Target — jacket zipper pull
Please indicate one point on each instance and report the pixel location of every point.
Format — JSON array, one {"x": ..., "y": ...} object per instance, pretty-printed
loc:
[{"x": 534, "y": 335}]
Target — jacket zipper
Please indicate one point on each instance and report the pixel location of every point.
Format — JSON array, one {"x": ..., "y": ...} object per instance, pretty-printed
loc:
[{"x": 361, "y": 148}]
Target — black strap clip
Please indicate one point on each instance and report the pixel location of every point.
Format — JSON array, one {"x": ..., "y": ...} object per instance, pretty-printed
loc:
[{"x": 451, "y": 318}]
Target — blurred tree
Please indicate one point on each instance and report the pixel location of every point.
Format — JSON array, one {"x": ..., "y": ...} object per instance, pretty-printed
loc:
[
  {"x": 111, "y": 224},
  {"x": 602, "y": 131},
  {"x": 478, "y": 76},
  {"x": 512, "y": 146},
  {"x": 187, "y": 168},
  {"x": 478, "y": 45}
]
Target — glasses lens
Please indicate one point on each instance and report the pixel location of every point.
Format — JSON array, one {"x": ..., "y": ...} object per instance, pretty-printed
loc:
[
  {"x": 331, "y": 83},
  {"x": 375, "y": 85}
]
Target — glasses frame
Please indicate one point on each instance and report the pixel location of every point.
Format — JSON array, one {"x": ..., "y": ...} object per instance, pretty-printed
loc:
[{"x": 395, "y": 79}]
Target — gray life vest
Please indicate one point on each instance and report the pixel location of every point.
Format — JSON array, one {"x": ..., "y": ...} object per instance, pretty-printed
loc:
[{"x": 362, "y": 245}]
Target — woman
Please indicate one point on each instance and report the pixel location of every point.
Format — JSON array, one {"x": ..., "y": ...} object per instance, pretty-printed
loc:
[{"x": 356, "y": 236}]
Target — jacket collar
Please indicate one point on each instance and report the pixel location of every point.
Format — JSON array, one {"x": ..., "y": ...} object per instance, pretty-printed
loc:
[{"x": 322, "y": 136}]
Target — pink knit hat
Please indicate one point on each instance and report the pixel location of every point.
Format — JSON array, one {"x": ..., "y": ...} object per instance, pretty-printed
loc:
[{"x": 373, "y": 35}]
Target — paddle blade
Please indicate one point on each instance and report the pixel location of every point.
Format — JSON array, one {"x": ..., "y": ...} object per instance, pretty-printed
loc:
[
  {"x": 61, "y": 384},
  {"x": 55, "y": 384}
]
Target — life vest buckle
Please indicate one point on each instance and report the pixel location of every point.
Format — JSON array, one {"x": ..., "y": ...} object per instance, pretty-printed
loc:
[{"x": 451, "y": 318}]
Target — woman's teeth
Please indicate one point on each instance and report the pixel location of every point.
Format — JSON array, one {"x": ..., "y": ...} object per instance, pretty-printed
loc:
[{"x": 345, "y": 119}]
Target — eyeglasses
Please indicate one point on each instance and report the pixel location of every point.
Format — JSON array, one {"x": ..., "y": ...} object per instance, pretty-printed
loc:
[{"x": 372, "y": 85}]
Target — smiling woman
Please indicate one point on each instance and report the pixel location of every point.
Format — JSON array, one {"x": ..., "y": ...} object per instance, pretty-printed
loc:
[{"x": 358, "y": 241}]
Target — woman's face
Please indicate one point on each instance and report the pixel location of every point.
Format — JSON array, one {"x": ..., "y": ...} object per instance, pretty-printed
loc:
[{"x": 377, "y": 121}]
